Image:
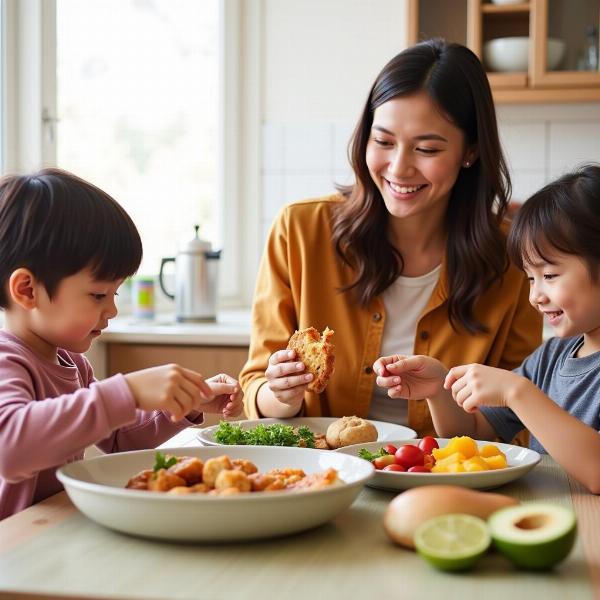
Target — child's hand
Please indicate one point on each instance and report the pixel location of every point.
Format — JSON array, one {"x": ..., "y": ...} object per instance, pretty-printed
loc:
[
  {"x": 227, "y": 396},
  {"x": 171, "y": 388},
  {"x": 410, "y": 376},
  {"x": 476, "y": 385}
]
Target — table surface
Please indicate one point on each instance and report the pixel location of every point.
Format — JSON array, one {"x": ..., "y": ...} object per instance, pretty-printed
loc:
[{"x": 52, "y": 551}]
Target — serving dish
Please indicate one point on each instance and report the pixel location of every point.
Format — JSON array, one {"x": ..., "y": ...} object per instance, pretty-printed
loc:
[
  {"x": 520, "y": 460},
  {"x": 97, "y": 488},
  {"x": 386, "y": 431},
  {"x": 512, "y": 53}
]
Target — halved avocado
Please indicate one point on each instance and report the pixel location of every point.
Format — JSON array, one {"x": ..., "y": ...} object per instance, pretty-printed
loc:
[{"x": 534, "y": 535}]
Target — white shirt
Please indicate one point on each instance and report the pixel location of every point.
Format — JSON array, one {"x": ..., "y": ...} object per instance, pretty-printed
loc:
[{"x": 404, "y": 302}]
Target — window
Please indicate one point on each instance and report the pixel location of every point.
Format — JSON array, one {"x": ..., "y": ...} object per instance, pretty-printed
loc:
[{"x": 137, "y": 111}]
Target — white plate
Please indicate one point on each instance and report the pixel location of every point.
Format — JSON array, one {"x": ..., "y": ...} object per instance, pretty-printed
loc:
[
  {"x": 386, "y": 431},
  {"x": 97, "y": 488},
  {"x": 520, "y": 461}
]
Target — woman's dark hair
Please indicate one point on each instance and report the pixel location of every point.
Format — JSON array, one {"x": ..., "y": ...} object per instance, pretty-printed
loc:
[
  {"x": 455, "y": 80},
  {"x": 56, "y": 224},
  {"x": 563, "y": 216}
]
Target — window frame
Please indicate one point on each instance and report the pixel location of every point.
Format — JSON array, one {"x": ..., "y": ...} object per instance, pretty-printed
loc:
[{"x": 30, "y": 143}]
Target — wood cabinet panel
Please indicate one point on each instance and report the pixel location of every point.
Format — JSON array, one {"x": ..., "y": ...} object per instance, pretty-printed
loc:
[{"x": 208, "y": 360}]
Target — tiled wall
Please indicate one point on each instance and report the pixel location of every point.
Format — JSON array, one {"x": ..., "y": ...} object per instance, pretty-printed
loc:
[{"x": 541, "y": 142}]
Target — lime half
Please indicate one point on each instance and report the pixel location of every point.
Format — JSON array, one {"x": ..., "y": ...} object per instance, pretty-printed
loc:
[{"x": 452, "y": 542}]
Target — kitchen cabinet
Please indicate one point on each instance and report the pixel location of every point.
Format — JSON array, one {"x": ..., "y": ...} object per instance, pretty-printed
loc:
[
  {"x": 475, "y": 22},
  {"x": 208, "y": 360}
]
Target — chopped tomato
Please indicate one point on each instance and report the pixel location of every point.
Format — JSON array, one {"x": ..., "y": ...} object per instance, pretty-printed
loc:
[
  {"x": 394, "y": 467},
  {"x": 409, "y": 456},
  {"x": 428, "y": 443}
]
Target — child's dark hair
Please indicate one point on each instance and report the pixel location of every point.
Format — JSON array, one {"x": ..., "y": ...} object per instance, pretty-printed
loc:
[
  {"x": 564, "y": 216},
  {"x": 56, "y": 224}
]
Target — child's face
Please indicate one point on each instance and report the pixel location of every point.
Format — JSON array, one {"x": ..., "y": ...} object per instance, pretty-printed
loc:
[
  {"x": 565, "y": 293},
  {"x": 80, "y": 308}
]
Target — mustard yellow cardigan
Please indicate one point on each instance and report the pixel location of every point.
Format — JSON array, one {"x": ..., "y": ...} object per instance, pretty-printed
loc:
[{"x": 297, "y": 287}]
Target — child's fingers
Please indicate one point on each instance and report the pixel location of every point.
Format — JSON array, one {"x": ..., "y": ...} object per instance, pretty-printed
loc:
[
  {"x": 387, "y": 382},
  {"x": 405, "y": 363},
  {"x": 453, "y": 375},
  {"x": 199, "y": 382},
  {"x": 220, "y": 388}
]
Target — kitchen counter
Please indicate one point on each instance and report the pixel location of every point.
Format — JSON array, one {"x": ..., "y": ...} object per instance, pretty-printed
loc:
[
  {"x": 232, "y": 328},
  {"x": 51, "y": 551}
]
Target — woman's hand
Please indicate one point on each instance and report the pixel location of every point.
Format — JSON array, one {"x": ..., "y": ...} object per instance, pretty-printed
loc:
[
  {"x": 476, "y": 385},
  {"x": 410, "y": 377},
  {"x": 286, "y": 378},
  {"x": 227, "y": 396},
  {"x": 169, "y": 387}
]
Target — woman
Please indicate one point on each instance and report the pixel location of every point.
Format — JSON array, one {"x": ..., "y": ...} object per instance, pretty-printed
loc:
[{"x": 411, "y": 259}]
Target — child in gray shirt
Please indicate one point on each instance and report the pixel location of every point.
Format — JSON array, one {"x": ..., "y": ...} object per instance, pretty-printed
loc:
[{"x": 555, "y": 393}]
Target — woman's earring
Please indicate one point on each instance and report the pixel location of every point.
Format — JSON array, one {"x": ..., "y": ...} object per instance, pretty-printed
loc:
[{"x": 467, "y": 164}]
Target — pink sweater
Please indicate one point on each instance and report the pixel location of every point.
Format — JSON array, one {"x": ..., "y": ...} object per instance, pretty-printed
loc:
[{"x": 50, "y": 413}]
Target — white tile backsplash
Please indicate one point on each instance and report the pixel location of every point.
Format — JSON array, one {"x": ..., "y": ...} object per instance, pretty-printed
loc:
[
  {"x": 541, "y": 142},
  {"x": 308, "y": 148},
  {"x": 302, "y": 186},
  {"x": 572, "y": 143},
  {"x": 526, "y": 182},
  {"x": 522, "y": 144}
]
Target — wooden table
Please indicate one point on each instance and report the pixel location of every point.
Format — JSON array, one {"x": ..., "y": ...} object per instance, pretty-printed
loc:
[{"x": 52, "y": 551}]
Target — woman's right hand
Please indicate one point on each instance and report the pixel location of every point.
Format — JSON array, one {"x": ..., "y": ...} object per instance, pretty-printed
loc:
[
  {"x": 286, "y": 378},
  {"x": 410, "y": 377}
]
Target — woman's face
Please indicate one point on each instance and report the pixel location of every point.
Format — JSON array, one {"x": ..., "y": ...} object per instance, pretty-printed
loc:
[{"x": 414, "y": 156}]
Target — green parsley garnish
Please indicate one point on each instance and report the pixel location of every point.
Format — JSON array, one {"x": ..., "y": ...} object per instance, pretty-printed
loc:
[
  {"x": 162, "y": 462},
  {"x": 371, "y": 456},
  {"x": 277, "y": 434}
]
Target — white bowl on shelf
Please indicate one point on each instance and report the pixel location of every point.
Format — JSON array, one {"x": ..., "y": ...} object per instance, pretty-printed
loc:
[
  {"x": 512, "y": 53},
  {"x": 509, "y": 1}
]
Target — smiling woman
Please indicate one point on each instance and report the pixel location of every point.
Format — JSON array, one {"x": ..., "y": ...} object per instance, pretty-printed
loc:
[{"x": 409, "y": 259}]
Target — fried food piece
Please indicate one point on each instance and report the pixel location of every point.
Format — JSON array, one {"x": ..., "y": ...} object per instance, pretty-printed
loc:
[
  {"x": 163, "y": 481},
  {"x": 287, "y": 476},
  {"x": 316, "y": 481},
  {"x": 241, "y": 464},
  {"x": 188, "y": 468},
  {"x": 234, "y": 478},
  {"x": 265, "y": 483},
  {"x": 140, "y": 481},
  {"x": 350, "y": 430},
  {"x": 212, "y": 468},
  {"x": 317, "y": 354},
  {"x": 321, "y": 442}
]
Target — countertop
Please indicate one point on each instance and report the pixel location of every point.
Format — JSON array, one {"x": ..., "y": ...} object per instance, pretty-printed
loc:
[
  {"x": 51, "y": 551},
  {"x": 232, "y": 328}
]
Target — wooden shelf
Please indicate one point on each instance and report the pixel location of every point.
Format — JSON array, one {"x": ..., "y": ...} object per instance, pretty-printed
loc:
[
  {"x": 503, "y": 9},
  {"x": 537, "y": 96}
]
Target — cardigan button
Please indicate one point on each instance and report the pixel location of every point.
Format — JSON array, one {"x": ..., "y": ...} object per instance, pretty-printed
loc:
[
  {"x": 368, "y": 370},
  {"x": 376, "y": 317},
  {"x": 424, "y": 335}
]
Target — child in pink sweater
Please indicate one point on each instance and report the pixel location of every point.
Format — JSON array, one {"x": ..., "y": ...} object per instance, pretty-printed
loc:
[{"x": 65, "y": 248}]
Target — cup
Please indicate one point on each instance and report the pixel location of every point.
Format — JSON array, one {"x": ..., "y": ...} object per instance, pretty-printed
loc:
[{"x": 142, "y": 297}]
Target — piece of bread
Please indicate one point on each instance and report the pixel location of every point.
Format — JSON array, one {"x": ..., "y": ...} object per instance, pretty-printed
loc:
[
  {"x": 316, "y": 352},
  {"x": 350, "y": 430}
]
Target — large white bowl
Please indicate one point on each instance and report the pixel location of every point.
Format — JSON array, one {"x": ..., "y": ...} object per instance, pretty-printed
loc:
[
  {"x": 97, "y": 488},
  {"x": 385, "y": 431},
  {"x": 512, "y": 53},
  {"x": 520, "y": 461}
]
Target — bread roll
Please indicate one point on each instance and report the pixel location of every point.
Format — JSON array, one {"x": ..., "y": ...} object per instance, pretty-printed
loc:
[{"x": 350, "y": 430}]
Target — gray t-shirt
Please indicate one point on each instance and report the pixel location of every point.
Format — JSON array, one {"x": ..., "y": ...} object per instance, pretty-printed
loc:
[{"x": 573, "y": 383}]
